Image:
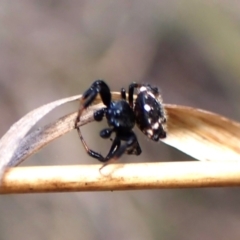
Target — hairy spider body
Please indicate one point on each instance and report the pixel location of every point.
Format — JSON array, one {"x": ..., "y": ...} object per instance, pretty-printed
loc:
[{"x": 146, "y": 111}]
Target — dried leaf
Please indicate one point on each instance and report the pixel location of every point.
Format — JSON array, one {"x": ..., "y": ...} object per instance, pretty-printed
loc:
[
  {"x": 37, "y": 139},
  {"x": 10, "y": 142},
  {"x": 203, "y": 135}
]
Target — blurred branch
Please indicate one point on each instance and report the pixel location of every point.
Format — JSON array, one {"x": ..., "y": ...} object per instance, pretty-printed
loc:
[{"x": 120, "y": 177}]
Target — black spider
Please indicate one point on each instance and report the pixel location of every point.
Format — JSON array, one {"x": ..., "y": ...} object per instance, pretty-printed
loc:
[{"x": 146, "y": 111}]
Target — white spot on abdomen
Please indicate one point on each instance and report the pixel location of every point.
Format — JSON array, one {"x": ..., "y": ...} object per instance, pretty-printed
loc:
[
  {"x": 142, "y": 89},
  {"x": 147, "y": 107},
  {"x": 156, "y": 125}
]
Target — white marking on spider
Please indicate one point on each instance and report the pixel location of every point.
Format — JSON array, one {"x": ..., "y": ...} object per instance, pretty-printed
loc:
[
  {"x": 150, "y": 132},
  {"x": 147, "y": 107},
  {"x": 156, "y": 125},
  {"x": 142, "y": 89},
  {"x": 151, "y": 94}
]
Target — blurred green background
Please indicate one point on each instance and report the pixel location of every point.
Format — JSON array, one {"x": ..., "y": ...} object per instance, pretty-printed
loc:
[{"x": 55, "y": 49}]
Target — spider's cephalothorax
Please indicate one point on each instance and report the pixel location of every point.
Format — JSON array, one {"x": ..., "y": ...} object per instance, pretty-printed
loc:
[{"x": 146, "y": 111}]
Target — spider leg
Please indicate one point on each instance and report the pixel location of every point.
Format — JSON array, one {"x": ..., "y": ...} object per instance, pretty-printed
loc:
[
  {"x": 98, "y": 87},
  {"x": 99, "y": 114},
  {"x": 131, "y": 88},
  {"x": 123, "y": 94},
  {"x": 106, "y": 133},
  {"x": 88, "y": 97},
  {"x": 110, "y": 156},
  {"x": 116, "y": 142},
  {"x": 131, "y": 145},
  {"x": 90, "y": 152},
  {"x": 114, "y": 148},
  {"x": 135, "y": 151},
  {"x": 117, "y": 150}
]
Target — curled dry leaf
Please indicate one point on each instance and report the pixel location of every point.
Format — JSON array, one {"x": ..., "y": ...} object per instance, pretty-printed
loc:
[
  {"x": 203, "y": 135},
  {"x": 200, "y": 134},
  {"x": 10, "y": 142},
  {"x": 37, "y": 139}
]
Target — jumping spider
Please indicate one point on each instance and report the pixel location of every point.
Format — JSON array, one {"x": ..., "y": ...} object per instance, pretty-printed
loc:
[{"x": 146, "y": 111}]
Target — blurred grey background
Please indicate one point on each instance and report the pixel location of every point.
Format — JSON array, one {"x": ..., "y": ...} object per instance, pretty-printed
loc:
[{"x": 55, "y": 49}]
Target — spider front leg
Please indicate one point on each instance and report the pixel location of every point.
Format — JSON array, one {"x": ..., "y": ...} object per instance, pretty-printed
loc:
[
  {"x": 105, "y": 133},
  {"x": 114, "y": 148},
  {"x": 98, "y": 87},
  {"x": 88, "y": 97},
  {"x": 98, "y": 116},
  {"x": 131, "y": 145},
  {"x": 90, "y": 152},
  {"x": 135, "y": 150}
]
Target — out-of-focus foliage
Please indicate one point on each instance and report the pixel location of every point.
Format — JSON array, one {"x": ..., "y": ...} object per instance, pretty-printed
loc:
[{"x": 54, "y": 49}]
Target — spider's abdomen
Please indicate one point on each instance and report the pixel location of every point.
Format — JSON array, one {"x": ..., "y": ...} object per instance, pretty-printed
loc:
[
  {"x": 149, "y": 112},
  {"x": 120, "y": 115}
]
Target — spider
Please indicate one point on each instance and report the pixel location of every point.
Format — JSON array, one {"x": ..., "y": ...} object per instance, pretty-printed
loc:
[{"x": 146, "y": 111}]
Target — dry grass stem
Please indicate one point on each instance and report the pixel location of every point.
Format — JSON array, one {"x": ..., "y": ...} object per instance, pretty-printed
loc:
[{"x": 120, "y": 177}]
